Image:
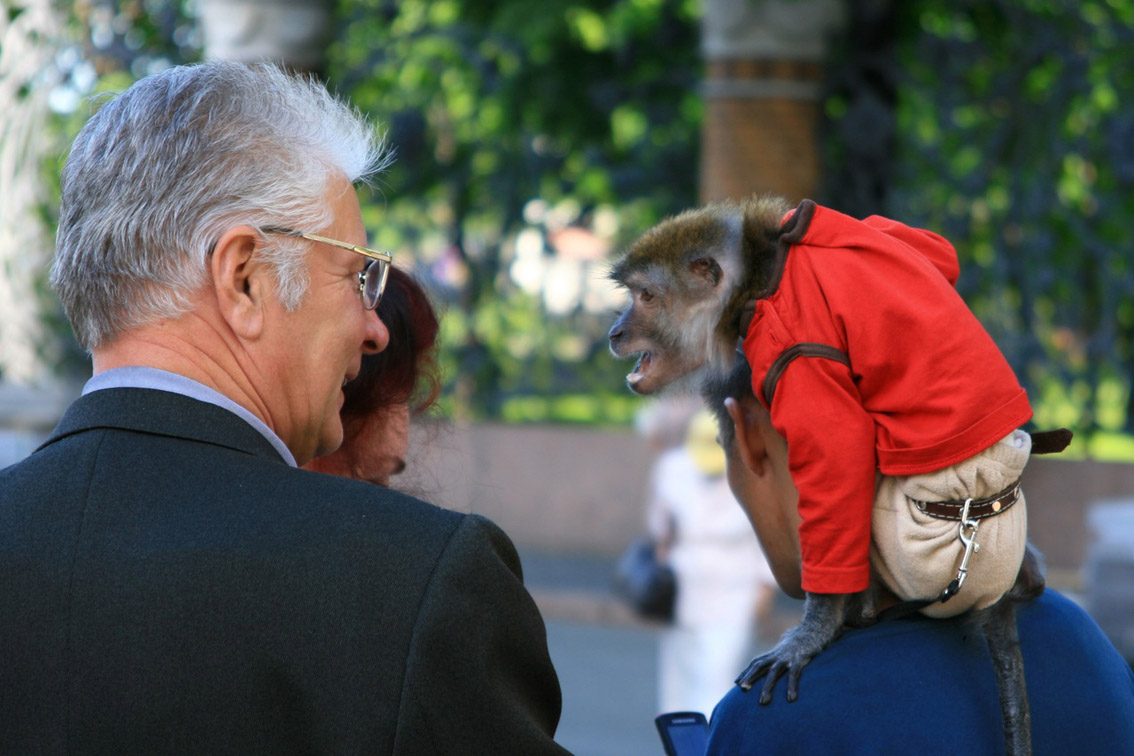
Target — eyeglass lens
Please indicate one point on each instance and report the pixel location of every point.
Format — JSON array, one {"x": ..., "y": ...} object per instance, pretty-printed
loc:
[{"x": 374, "y": 282}]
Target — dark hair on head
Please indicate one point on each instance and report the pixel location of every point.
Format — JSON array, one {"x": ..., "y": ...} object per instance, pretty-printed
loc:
[
  {"x": 737, "y": 383},
  {"x": 405, "y": 372}
]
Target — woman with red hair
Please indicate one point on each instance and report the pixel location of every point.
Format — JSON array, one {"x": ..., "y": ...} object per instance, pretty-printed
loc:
[{"x": 393, "y": 385}]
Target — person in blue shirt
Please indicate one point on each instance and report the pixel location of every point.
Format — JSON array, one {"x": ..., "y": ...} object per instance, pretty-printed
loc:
[{"x": 908, "y": 684}]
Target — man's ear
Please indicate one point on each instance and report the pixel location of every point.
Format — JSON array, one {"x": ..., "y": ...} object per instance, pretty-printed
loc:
[
  {"x": 240, "y": 280},
  {"x": 746, "y": 435}
]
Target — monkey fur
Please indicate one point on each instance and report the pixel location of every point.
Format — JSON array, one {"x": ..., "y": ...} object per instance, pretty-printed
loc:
[{"x": 690, "y": 279}]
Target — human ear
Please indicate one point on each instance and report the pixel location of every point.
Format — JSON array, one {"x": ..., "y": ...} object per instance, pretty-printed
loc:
[
  {"x": 747, "y": 437},
  {"x": 239, "y": 280}
]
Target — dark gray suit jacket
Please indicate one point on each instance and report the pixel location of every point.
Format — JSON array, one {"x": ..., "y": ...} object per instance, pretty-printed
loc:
[{"x": 169, "y": 585}]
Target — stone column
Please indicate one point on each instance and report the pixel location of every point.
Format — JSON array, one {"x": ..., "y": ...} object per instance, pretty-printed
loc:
[
  {"x": 31, "y": 36},
  {"x": 764, "y": 67},
  {"x": 293, "y": 33}
]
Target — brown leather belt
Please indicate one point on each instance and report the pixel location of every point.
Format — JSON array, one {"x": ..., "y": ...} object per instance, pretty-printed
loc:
[{"x": 978, "y": 509}]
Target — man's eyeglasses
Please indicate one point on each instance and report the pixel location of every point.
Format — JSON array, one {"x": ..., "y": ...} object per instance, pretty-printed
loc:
[{"x": 371, "y": 279}]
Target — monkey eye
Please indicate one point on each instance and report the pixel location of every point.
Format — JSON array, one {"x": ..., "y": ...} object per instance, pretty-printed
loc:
[{"x": 646, "y": 296}]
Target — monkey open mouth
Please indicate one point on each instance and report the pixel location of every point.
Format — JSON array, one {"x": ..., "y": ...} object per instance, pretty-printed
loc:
[{"x": 640, "y": 370}]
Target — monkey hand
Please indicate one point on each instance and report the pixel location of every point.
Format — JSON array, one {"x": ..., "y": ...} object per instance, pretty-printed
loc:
[{"x": 823, "y": 617}]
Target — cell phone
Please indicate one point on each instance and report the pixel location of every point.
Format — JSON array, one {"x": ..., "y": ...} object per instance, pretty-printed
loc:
[{"x": 683, "y": 733}]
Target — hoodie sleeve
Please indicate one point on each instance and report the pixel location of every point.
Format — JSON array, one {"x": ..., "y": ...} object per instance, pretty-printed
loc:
[{"x": 830, "y": 440}]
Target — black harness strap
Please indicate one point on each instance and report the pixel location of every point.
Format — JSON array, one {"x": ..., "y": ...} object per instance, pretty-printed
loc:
[{"x": 803, "y": 349}]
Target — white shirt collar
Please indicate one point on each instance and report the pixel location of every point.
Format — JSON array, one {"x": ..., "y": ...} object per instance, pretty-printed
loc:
[{"x": 162, "y": 380}]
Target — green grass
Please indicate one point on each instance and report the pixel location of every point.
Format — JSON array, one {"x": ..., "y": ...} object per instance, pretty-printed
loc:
[
  {"x": 603, "y": 409},
  {"x": 1110, "y": 446},
  {"x": 1056, "y": 407}
]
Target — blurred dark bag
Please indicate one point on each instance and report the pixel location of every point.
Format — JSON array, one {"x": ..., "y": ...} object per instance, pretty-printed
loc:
[{"x": 649, "y": 586}]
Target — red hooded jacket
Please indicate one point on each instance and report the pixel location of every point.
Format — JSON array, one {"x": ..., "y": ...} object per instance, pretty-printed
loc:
[{"x": 869, "y": 361}]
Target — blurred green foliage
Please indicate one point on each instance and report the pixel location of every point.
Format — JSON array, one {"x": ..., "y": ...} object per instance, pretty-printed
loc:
[
  {"x": 580, "y": 104},
  {"x": 516, "y": 120},
  {"x": 1016, "y": 141},
  {"x": 112, "y": 44}
]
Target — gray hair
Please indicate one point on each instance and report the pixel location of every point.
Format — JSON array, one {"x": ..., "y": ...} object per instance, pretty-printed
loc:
[{"x": 162, "y": 170}]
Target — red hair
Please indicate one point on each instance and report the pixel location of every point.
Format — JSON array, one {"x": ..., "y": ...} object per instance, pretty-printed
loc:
[{"x": 405, "y": 372}]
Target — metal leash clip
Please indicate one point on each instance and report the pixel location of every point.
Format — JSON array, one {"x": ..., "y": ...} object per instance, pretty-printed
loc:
[{"x": 967, "y": 533}]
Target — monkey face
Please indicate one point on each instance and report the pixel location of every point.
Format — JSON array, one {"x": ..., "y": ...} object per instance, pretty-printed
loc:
[
  {"x": 646, "y": 329},
  {"x": 689, "y": 278},
  {"x": 679, "y": 275}
]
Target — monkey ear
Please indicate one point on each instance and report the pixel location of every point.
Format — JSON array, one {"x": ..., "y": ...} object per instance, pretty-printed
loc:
[{"x": 707, "y": 269}]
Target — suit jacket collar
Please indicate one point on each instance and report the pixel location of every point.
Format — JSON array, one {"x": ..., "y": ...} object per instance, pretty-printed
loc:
[{"x": 161, "y": 413}]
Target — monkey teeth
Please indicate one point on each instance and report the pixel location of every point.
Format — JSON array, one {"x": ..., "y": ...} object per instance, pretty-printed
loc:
[{"x": 640, "y": 369}]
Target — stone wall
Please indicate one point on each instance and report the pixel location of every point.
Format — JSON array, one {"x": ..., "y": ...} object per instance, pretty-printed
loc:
[
  {"x": 575, "y": 489},
  {"x": 554, "y": 488},
  {"x": 572, "y": 489}
]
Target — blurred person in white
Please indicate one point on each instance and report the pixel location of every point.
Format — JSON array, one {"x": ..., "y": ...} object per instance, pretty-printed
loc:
[{"x": 724, "y": 583}]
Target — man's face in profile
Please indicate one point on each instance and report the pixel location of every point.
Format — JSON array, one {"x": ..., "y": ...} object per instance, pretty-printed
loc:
[
  {"x": 756, "y": 465},
  {"x": 318, "y": 347}
]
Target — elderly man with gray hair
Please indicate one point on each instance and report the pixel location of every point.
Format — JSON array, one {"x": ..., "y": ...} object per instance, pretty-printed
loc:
[{"x": 171, "y": 582}]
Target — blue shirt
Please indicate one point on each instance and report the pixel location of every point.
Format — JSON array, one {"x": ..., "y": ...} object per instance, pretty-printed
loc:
[
  {"x": 926, "y": 686},
  {"x": 163, "y": 380}
]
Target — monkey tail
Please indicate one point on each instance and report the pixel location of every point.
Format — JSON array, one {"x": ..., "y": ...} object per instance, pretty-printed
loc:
[
  {"x": 1030, "y": 580},
  {"x": 1000, "y": 632}
]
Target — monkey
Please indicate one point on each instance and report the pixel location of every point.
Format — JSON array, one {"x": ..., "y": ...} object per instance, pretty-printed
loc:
[{"x": 901, "y": 415}]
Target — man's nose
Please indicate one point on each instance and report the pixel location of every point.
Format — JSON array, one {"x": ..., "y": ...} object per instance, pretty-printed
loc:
[{"x": 377, "y": 335}]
